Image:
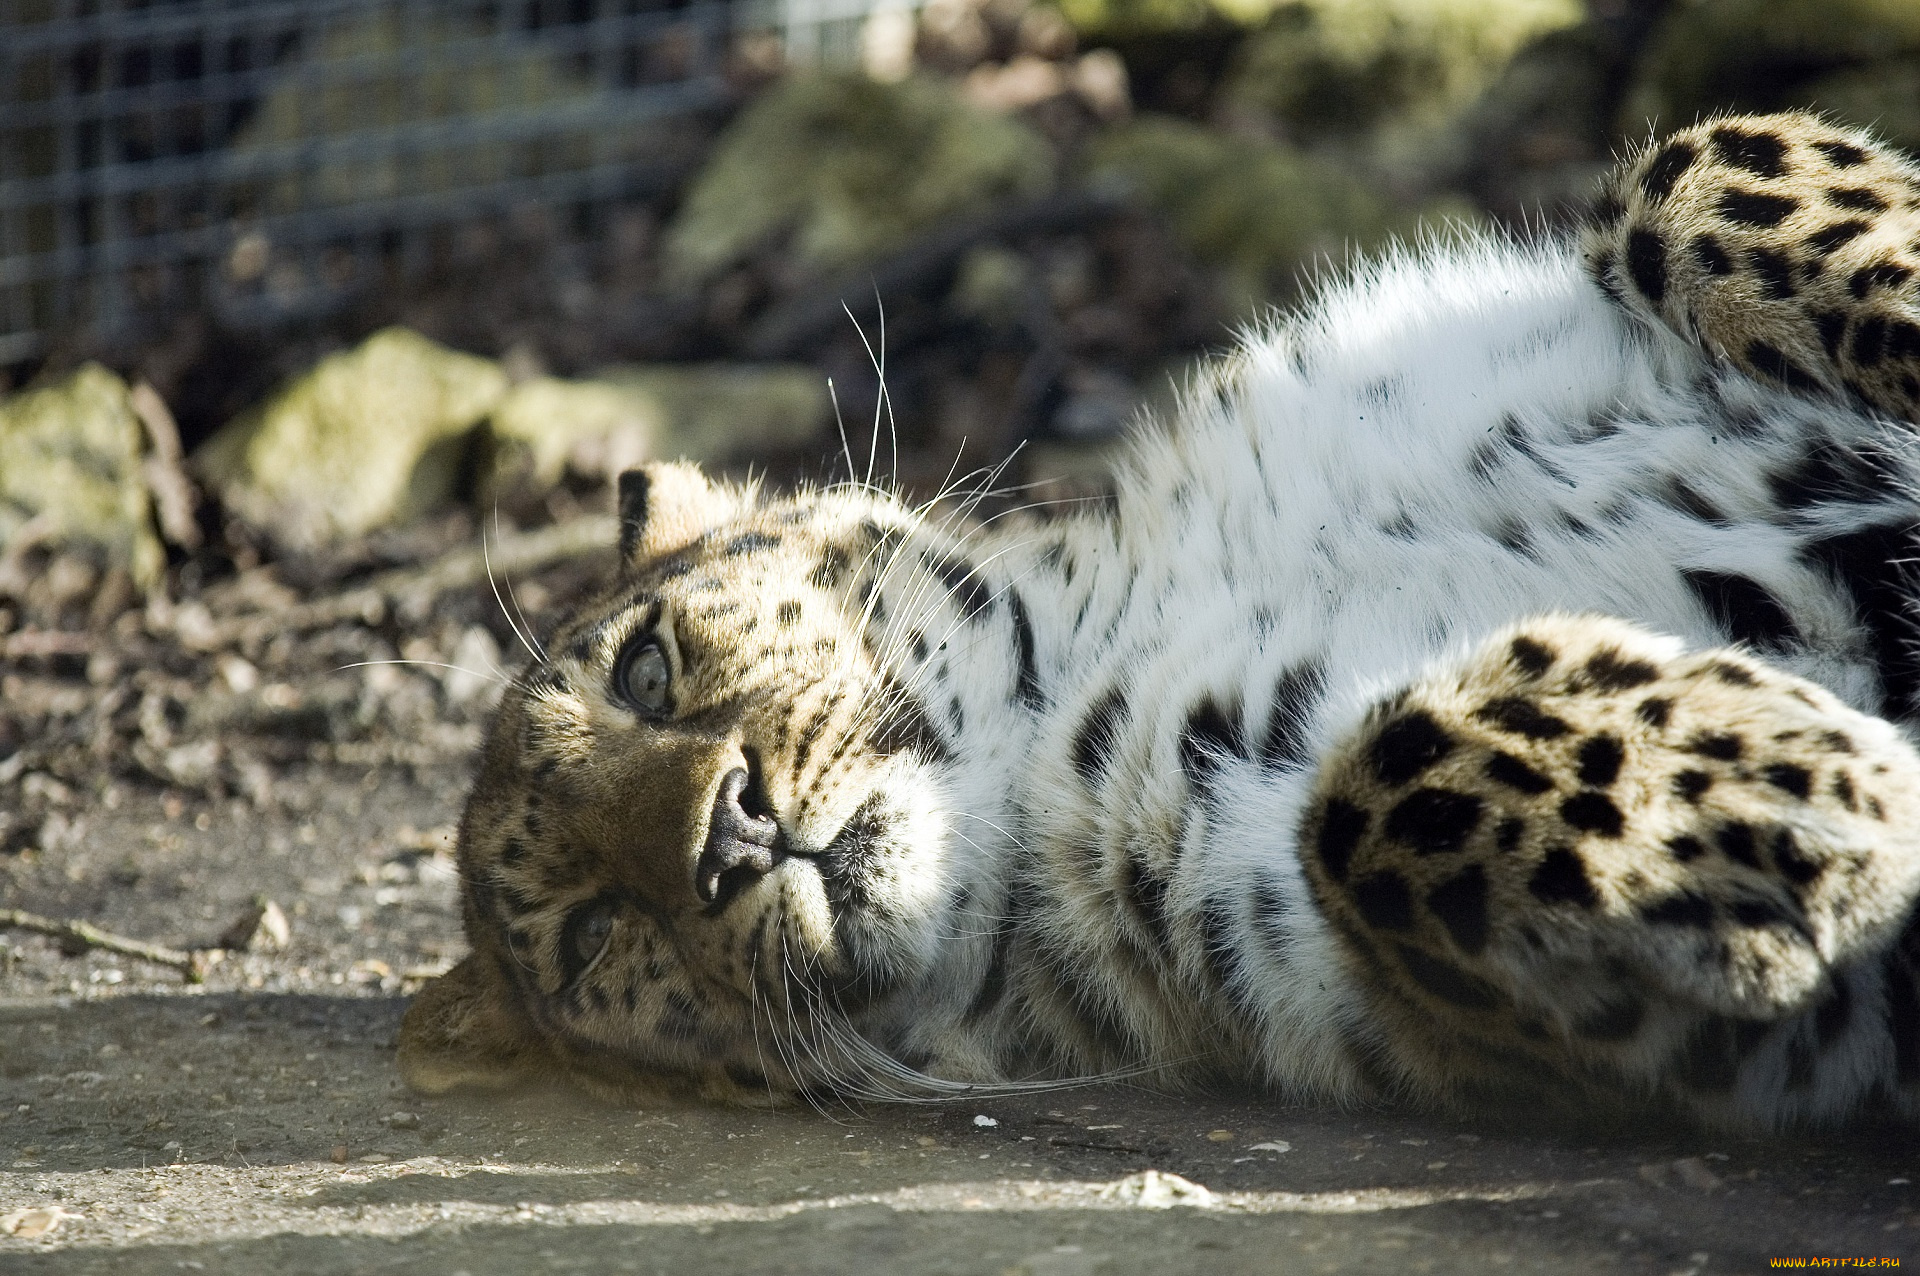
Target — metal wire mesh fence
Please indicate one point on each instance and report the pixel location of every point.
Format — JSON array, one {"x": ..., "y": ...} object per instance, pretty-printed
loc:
[{"x": 265, "y": 158}]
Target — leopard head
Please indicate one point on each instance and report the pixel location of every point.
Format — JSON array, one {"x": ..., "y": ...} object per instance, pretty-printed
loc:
[{"x": 707, "y": 844}]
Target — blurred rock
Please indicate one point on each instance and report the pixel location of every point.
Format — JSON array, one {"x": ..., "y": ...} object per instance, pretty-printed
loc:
[
  {"x": 1383, "y": 74},
  {"x": 263, "y": 928},
  {"x": 952, "y": 35},
  {"x": 1256, "y": 211},
  {"x": 886, "y": 42},
  {"x": 1098, "y": 80},
  {"x": 1012, "y": 86},
  {"x": 1044, "y": 32},
  {"x": 713, "y": 413},
  {"x": 1859, "y": 59},
  {"x": 848, "y": 169},
  {"x": 71, "y": 478},
  {"x": 368, "y": 438},
  {"x": 547, "y": 429},
  {"x": 34, "y": 1224},
  {"x": 1157, "y": 1190}
]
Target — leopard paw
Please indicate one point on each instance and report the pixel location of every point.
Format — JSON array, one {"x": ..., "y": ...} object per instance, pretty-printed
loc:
[
  {"x": 1583, "y": 832},
  {"x": 1782, "y": 243}
]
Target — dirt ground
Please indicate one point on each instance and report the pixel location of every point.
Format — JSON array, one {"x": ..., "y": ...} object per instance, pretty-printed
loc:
[{"x": 257, "y": 1123}]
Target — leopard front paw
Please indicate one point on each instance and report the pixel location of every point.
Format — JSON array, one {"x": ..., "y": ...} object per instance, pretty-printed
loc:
[{"x": 1583, "y": 828}]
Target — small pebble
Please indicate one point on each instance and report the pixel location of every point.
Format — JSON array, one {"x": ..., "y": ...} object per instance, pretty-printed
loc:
[
  {"x": 1693, "y": 1171},
  {"x": 32, "y": 1224},
  {"x": 985, "y": 1122},
  {"x": 1220, "y": 1136}
]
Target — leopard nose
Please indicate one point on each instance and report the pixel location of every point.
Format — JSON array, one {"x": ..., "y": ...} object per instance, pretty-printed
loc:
[{"x": 743, "y": 841}]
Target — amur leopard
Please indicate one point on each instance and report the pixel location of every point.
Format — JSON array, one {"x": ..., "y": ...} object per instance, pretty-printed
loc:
[{"x": 1497, "y": 686}]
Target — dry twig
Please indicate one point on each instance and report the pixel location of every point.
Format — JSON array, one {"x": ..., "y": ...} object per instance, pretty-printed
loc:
[
  {"x": 193, "y": 965},
  {"x": 174, "y": 498}
]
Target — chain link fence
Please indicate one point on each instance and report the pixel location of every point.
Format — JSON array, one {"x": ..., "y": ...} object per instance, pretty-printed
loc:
[{"x": 264, "y": 160}]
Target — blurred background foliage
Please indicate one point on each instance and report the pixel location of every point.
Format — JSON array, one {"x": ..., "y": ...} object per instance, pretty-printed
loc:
[
  {"x": 1038, "y": 213},
  {"x": 219, "y": 530}
]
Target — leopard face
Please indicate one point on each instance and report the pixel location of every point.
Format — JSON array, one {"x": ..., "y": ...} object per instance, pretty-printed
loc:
[{"x": 708, "y": 830}]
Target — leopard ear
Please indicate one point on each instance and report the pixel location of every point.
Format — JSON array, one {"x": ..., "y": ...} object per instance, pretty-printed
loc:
[
  {"x": 462, "y": 1032},
  {"x": 666, "y": 505}
]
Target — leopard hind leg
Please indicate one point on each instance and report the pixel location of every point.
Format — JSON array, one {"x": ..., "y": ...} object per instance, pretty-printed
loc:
[
  {"x": 1586, "y": 862},
  {"x": 1785, "y": 244}
]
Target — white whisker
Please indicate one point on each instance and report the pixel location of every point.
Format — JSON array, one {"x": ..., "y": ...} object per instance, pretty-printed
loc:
[
  {"x": 496, "y": 676},
  {"x": 486, "y": 558}
]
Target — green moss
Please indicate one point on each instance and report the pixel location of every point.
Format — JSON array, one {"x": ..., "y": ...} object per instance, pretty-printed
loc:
[
  {"x": 851, "y": 169},
  {"x": 1322, "y": 67},
  {"x": 367, "y": 438},
  {"x": 1851, "y": 57},
  {"x": 70, "y": 458},
  {"x": 1259, "y": 212}
]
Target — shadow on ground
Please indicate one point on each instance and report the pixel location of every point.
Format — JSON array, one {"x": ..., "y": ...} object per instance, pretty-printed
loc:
[
  {"x": 257, "y": 1123},
  {"x": 248, "y": 1132}
]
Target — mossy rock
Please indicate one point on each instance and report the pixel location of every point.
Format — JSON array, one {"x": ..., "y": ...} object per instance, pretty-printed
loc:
[
  {"x": 1852, "y": 58},
  {"x": 1341, "y": 68},
  {"x": 1258, "y": 212},
  {"x": 371, "y": 437},
  {"x": 70, "y": 473},
  {"x": 715, "y": 413},
  {"x": 386, "y": 70},
  {"x": 546, "y": 428},
  {"x": 849, "y": 168}
]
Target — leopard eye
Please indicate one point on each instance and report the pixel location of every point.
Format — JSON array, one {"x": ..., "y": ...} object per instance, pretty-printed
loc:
[
  {"x": 643, "y": 677},
  {"x": 587, "y": 930}
]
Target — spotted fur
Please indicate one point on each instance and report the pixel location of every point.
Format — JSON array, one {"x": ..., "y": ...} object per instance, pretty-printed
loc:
[
  {"x": 1480, "y": 694},
  {"x": 1785, "y": 244},
  {"x": 1579, "y": 796}
]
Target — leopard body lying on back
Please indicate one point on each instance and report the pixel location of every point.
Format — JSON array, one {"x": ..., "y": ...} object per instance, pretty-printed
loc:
[{"x": 1493, "y": 686}]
